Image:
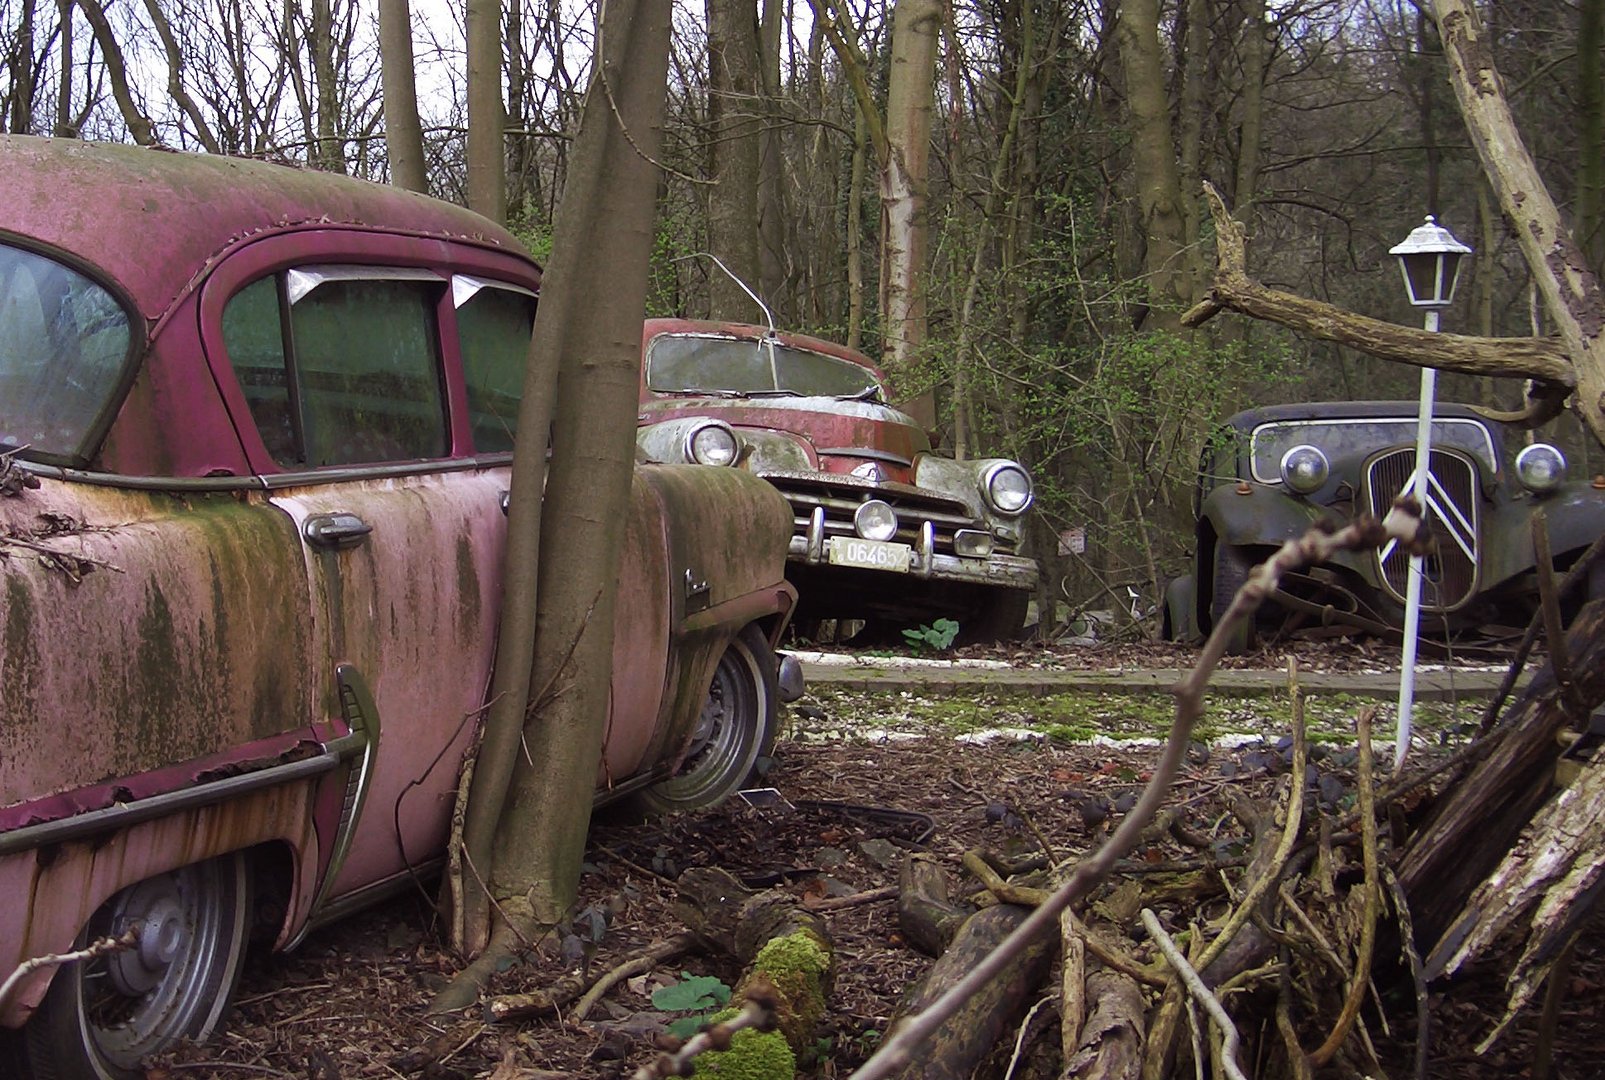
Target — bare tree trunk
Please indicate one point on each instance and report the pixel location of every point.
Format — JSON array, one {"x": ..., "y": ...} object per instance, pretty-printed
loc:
[
  {"x": 1570, "y": 290},
  {"x": 404, "y": 134},
  {"x": 175, "y": 79},
  {"x": 776, "y": 222},
  {"x": 66, "y": 127},
  {"x": 1194, "y": 48},
  {"x": 1428, "y": 117},
  {"x": 520, "y": 159},
  {"x": 855, "y": 236},
  {"x": 1251, "y": 118},
  {"x": 22, "y": 77},
  {"x": 526, "y": 818},
  {"x": 330, "y": 152},
  {"x": 1589, "y": 222},
  {"x": 733, "y": 131},
  {"x": 139, "y": 125},
  {"x": 487, "y": 187},
  {"x": 910, "y": 101},
  {"x": 1154, "y": 159}
]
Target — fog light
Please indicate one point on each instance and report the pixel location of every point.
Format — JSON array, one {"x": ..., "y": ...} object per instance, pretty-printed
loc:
[
  {"x": 1540, "y": 468},
  {"x": 713, "y": 443},
  {"x": 972, "y": 543},
  {"x": 875, "y": 520},
  {"x": 1305, "y": 469}
]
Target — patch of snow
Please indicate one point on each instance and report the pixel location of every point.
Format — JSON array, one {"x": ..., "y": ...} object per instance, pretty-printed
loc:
[{"x": 851, "y": 660}]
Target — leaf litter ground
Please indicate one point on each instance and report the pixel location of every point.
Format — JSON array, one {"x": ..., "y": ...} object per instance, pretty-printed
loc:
[{"x": 352, "y": 1001}]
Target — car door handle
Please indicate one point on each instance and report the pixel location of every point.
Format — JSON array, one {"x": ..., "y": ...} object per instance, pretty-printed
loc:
[{"x": 337, "y": 530}]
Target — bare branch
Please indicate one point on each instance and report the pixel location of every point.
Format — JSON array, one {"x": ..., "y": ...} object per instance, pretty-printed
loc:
[{"x": 1543, "y": 360}]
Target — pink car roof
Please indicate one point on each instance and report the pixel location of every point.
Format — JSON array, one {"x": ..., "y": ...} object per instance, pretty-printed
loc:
[{"x": 151, "y": 219}]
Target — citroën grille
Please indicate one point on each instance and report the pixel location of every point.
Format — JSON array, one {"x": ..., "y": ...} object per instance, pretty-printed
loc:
[{"x": 1449, "y": 574}]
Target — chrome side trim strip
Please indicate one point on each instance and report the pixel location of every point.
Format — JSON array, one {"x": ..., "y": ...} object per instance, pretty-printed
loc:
[
  {"x": 124, "y": 815},
  {"x": 361, "y": 749}
]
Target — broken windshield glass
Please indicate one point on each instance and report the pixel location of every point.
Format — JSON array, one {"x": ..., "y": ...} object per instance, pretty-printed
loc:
[
  {"x": 705, "y": 364},
  {"x": 63, "y": 343}
]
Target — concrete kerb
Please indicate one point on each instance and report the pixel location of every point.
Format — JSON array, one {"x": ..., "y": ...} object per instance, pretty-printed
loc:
[{"x": 890, "y": 674}]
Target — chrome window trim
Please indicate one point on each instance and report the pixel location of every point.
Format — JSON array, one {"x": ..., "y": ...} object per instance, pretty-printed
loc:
[
  {"x": 300, "y": 281},
  {"x": 464, "y": 287},
  {"x": 269, "y": 481}
]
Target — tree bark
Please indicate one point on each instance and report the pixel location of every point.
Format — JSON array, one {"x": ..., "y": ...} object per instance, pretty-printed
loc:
[
  {"x": 766, "y": 932},
  {"x": 527, "y": 812},
  {"x": 1158, "y": 189},
  {"x": 23, "y": 89},
  {"x": 1111, "y": 1045},
  {"x": 139, "y": 125},
  {"x": 66, "y": 127},
  {"x": 1475, "y": 823},
  {"x": 1570, "y": 290},
  {"x": 1589, "y": 223},
  {"x": 734, "y": 128},
  {"x": 905, "y": 169},
  {"x": 1541, "y": 359},
  {"x": 404, "y": 135},
  {"x": 487, "y": 167},
  {"x": 969, "y": 1035},
  {"x": 776, "y": 222},
  {"x": 175, "y": 79},
  {"x": 926, "y": 915},
  {"x": 329, "y": 154}
]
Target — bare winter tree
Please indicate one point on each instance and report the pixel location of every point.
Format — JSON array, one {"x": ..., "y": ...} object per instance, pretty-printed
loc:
[{"x": 526, "y": 813}]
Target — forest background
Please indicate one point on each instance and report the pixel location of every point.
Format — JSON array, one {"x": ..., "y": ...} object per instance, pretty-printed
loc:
[{"x": 1059, "y": 214}]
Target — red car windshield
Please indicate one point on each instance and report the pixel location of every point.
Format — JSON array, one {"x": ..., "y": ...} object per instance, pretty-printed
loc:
[
  {"x": 743, "y": 367},
  {"x": 63, "y": 343}
]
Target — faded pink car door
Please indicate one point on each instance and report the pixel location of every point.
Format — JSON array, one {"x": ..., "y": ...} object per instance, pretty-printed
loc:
[{"x": 340, "y": 367}]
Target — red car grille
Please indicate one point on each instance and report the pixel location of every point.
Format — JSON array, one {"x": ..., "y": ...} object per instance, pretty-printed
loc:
[
  {"x": 1449, "y": 574},
  {"x": 841, "y": 495}
]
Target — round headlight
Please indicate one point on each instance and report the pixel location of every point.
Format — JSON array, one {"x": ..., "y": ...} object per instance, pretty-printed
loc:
[
  {"x": 1305, "y": 469},
  {"x": 1540, "y": 467},
  {"x": 714, "y": 443},
  {"x": 875, "y": 520},
  {"x": 1007, "y": 488}
]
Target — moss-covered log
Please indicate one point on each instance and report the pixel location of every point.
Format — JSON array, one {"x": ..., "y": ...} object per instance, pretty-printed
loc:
[{"x": 787, "y": 959}]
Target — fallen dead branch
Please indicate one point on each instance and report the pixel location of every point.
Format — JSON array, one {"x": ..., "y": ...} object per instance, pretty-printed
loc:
[
  {"x": 1200, "y": 993},
  {"x": 550, "y": 999},
  {"x": 101, "y": 947}
]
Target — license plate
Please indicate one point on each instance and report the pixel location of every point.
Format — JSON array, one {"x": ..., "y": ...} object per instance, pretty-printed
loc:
[{"x": 869, "y": 554}]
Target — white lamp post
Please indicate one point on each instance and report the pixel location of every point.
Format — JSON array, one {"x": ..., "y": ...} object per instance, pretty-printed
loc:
[{"x": 1430, "y": 259}]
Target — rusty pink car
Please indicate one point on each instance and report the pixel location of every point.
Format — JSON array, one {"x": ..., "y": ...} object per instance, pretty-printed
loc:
[
  {"x": 255, "y": 442},
  {"x": 884, "y": 528}
]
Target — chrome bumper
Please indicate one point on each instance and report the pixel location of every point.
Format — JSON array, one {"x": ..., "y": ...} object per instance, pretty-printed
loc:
[{"x": 1010, "y": 571}]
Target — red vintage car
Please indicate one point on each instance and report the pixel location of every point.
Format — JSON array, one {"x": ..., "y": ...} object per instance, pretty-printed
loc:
[
  {"x": 884, "y": 529},
  {"x": 255, "y": 436}
]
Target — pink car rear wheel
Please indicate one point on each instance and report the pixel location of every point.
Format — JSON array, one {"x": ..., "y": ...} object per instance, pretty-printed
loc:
[
  {"x": 102, "y": 1017},
  {"x": 736, "y": 727}
]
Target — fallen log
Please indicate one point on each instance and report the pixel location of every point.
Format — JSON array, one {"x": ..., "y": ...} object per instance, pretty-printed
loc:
[
  {"x": 926, "y": 914},
  {"x": 1478, "y": 819},
  {"x": 1111, "y": 1043},
  {"x": 788, "y": 963},
  {"x": 969, "y": 1036}
]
